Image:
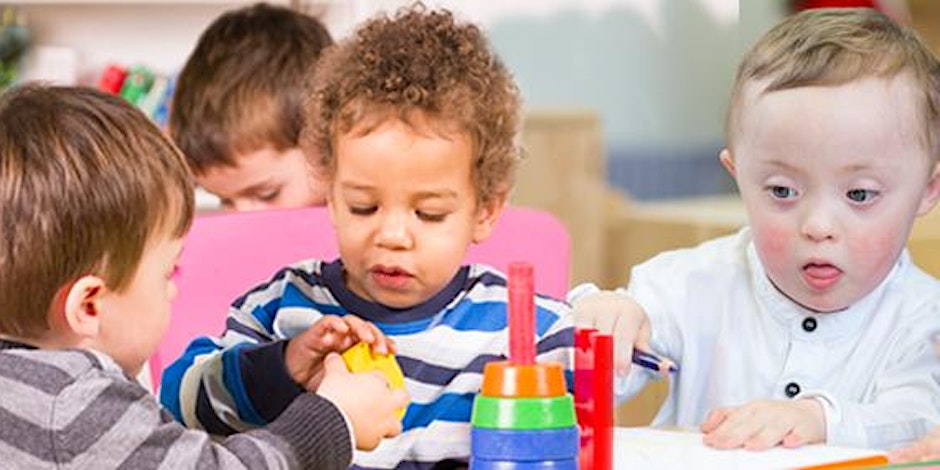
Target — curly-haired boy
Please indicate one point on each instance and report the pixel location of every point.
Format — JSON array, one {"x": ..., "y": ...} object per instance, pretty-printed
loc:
[
  {"x": 237, "y": 108},
  {"x": 413, "y": 120}
]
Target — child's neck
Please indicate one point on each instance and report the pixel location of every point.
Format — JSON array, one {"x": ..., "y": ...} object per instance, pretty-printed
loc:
[{"x": 46, "y": 341}]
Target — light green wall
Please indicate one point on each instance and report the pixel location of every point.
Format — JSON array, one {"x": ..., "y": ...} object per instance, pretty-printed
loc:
[{"x": 652, "y": 87}]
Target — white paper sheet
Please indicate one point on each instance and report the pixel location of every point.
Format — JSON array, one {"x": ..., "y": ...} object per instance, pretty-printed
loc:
[{"x": 645, "y": 448}]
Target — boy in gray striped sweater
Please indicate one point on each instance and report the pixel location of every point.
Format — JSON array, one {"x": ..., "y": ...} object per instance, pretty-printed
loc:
[{"x": 94, "y": 202}]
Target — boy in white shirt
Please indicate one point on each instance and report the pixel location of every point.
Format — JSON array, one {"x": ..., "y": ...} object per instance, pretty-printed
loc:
[{"x": 812, "y": 324}]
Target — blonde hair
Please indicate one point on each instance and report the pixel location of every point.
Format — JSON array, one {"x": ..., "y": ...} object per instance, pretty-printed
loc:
[
  {"x": 421, "y": 62},
  {"x": 86, "y": 180},
  {"x": 829, "y": 47}
]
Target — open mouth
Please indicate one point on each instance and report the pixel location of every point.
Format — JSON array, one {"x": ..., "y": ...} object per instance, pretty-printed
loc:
[
  {"x": 390, "y": 277},
  {"x": 821, "y": 276}
]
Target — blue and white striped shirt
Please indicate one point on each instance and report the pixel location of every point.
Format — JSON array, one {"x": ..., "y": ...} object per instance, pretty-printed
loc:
[{"x": 240, "y": 381}]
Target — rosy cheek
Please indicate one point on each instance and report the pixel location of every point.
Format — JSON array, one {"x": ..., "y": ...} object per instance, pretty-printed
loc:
[
  {"x": 877, "y": 246},
  {"x": 772, "y": 243}
]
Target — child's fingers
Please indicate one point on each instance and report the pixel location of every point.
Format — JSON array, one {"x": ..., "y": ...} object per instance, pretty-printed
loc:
[
  {"x": 328, "y": 323},
  {"x": 381, "y": 344},
  {"x": 361, "y": 329},
  {"x": 907, "y": 454},
  {"x": 771, "y": 434},
  {"x": 316, "y": 378},
  {"x": 333, "y": 364},
  {"x": 714, "y": 419},
  {"x": 736, "y": 426},
  {"x": 731, "y": 434},
  {"x": 795, "y": 438}
]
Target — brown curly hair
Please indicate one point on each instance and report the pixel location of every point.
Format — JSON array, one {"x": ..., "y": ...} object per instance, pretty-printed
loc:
[{"x": 418, "y": 61}]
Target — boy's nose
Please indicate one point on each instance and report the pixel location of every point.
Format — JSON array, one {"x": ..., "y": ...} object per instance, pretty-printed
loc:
[
  {"x": 394, "y": 232},
  {"x": 818, "y": 224}
]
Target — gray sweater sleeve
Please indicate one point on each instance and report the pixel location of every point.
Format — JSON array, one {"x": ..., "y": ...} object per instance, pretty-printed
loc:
[{"x": 77, "y": 409}]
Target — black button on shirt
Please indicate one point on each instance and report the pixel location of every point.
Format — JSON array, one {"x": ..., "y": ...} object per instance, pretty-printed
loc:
[
  {"x": 809, "y": 324},
  {"x": 792, "y": 389}
]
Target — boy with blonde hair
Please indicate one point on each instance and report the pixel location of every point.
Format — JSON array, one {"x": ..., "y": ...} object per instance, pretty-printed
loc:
[
  {"x": 94, "y": 202},
  {"x": 414, "y": 120},
  {"x": 812, "y": 324},
  {"x": 237, "y": 107}
]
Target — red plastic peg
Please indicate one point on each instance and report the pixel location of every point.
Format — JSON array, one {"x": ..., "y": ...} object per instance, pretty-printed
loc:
[{"x": 521, "y": 314}]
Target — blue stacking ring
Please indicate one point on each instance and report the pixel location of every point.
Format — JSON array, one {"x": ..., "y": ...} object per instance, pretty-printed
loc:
[
  {"x": 524, "y": 445},
  {"x": 483, "y": 464}
]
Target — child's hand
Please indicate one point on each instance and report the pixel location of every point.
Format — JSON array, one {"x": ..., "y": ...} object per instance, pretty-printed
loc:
[
  {"x": 305, "y": 352},
  {"x": 618, "y": 315},
  {"x": 927, "y": 448},
  {"x": 371, "y": 406},
  {"x": 763, "y": 424}
]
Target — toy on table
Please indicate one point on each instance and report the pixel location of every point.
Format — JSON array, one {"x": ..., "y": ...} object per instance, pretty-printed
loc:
[
  {"x": 594, "y": 397},
  {"x": 524, "y": 418},
  {"x": 361, "y": 358}
]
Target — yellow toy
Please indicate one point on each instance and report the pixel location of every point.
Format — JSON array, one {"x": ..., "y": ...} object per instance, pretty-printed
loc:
[{"x": 360, "y": 358}]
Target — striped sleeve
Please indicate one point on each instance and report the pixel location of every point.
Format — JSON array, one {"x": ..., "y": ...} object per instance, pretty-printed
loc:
[
  {"x": 84, "y": 413},
  {"x": 216, "y": 384},
  {"x": 555, "y": 335}
]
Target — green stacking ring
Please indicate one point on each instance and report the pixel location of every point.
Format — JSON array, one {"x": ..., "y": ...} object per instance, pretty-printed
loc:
[{"x": 523, "y": 413}]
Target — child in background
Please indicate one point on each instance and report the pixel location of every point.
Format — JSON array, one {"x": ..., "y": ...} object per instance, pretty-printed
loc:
[
  {"x": 812, "y": 324},
  {"x": 414, "y": 121},
  {"x": 236, "y": 111},
  {"x": 94, "y": 201}
]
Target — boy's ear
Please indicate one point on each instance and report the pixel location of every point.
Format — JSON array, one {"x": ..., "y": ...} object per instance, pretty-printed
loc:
[
  {"x": 486, "y": 217},
  {"x": 727, "y": 161},
  {"x": 82, "y": 306},
  {"x": 932, "y": 192}
]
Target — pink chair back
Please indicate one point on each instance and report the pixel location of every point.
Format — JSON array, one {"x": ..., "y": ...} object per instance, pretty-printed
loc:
[{"x": 227, "y": 253}]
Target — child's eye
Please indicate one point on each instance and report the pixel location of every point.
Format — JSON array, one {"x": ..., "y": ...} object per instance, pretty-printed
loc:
[
  {"x": 861, "y": 195},
  {"x": 362, "y": 210},
  {"x": 269, "y": 196},
  {"x": 782, "y": 192},
  {"x": 427, "y": 217}
]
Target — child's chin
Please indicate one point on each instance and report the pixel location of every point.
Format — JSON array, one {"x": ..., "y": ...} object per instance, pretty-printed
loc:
[
  {"x": 400, "y": 301},
  {"x": 824, "y": 306}
]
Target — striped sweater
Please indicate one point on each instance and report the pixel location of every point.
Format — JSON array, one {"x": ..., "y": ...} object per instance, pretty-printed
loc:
[
  {"x": 70, "y": 409},
  {"x": 240, "y": 380}
]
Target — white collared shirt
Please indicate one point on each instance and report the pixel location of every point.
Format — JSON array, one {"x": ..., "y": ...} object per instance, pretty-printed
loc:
[{"x": 736, "y": 339}]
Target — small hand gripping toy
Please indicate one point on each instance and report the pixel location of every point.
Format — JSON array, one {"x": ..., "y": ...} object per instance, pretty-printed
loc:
[{"x": 361, "y": 358}]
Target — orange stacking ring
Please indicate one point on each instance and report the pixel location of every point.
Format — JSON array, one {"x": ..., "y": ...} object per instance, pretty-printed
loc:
[{"x": 504, "y": 379}]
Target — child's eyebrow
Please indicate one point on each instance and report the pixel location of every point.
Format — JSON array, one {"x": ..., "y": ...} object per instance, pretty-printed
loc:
[{"x": 442, "y": 194}]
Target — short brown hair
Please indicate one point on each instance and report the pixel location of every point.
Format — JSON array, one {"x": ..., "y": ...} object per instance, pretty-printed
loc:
[
  {"x": 242, "y": 88},
  {"x": 418, "y": 61},
  {"x": 829, "y": 47},
  {"x": 86, "y": 181}
]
